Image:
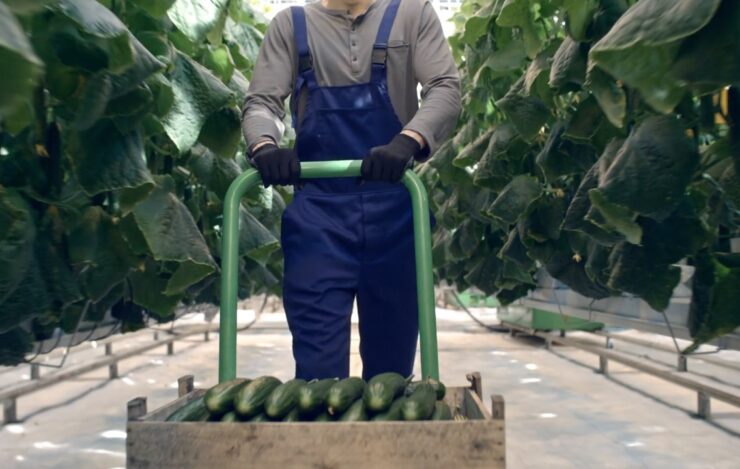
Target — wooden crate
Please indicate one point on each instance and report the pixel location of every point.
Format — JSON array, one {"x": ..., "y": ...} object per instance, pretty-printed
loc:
[{"x": 478, "y": 442}]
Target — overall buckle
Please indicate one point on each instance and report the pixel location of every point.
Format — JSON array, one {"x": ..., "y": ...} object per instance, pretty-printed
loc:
[{"x": 380, "y": 54}]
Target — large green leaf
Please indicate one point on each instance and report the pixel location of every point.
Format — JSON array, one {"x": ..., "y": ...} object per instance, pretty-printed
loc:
[
  {"x": 641, "y": 50},
  {"x": 484, "y": 273},
  {"x": 477, "y": 25},
  {"x": 569, "y": 269},
  {"x": 580, "y": 205},
  {"x": 96, "y": 247},
  {"x": 585, "y": 121},
  {"x": 156, "y": 8},
  {"x": 144, "y": 66},
  {"x": 561, "y": 157},
  {"x": 14, "y": 345},
  {"x": 652, "y": 169},
  {"x": 568, "y": 70},
  {"x": 244, "y": 40},
  {"x": 106, "y": 159},
  {"x": 172, "y": 235},
  {"x": 222, "y": 132},
  {"x": 149, "y": 292},
  {"x": 609, "y": 94},
  {"x": 21, "y": 65},
  {"x": 472, "y": 152},
  {"x": 196, "y": 18},
  {"x": 673, "y": 239},
  {"x": 28, "y": 300},
  {"x": 607, "y": 13},
  {"x": 17, "y": 235},
  {"x": 633, "y": 272},
  {"x": 101, "y": 26},
  {"x": 95, "y": 96},
  {"x": 197, "y": 95},
  {"x": 214, "y": 172},
  {"x": 23, "y": 7},
  {"x": 526, "y": 113},
  {"x": 715, "y": 296},
  {"x": 613, "y": 217},
  {"x": 62, "y": 283},
  {"x": 255, "y": 241},
  {"x": 516, "y": 13},
  {"x": 579, "y": 14},
  {"x": 716, "y": 44},
  {"x": 513, "y": 202}
]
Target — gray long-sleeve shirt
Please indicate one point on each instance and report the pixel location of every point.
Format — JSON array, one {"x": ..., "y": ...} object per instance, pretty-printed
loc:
[{"x": 341, "y": 49}]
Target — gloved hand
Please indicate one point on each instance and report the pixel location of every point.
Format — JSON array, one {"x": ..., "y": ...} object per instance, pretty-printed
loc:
[
  {"x": 279, "y": 166},
  {"x": 388, "y": 162}
]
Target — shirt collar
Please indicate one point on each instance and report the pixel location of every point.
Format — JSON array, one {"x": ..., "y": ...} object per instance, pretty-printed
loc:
[{"x": 343, "y": 13}]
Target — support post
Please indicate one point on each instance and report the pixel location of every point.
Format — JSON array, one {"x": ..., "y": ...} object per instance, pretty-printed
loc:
[
  {"x": 206, "y": 338},
  {"x": 185, "y": 385},
  {"x": 10, "y": 414},
  {"x": 136, "y": 408},
  {"x": 497, "y": 407},
  {"x": 603, "y": 365},
  {"x": 476, "y": 384},
  {"x": 156, "y": 335},
  {"x": 35, "y": 372},
  {"x": 170, "y": 347},
  {"x": 562, "y": 333},
  {"x": 683, "y": 363},
  {"x": 704, "y": 405},
  {"x": 609, "y": 343},
  {"x": 548, "y": 344},
  {"x": 113, "y": 367}
]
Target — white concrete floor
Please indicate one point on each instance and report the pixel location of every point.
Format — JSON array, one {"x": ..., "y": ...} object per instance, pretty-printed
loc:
[{"x": 559, "y": 412}]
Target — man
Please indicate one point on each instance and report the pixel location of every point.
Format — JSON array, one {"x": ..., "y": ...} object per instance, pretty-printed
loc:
[{"x": 351, "y": 68}]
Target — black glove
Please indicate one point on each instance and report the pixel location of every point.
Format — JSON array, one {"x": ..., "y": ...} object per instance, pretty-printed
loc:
[
  {"x": 279, "y": 166},
  {"x": 388, "y": 162}
]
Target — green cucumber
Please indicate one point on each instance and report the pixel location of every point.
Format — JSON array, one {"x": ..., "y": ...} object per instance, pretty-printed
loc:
[
  {"x": 312, "y": 396},
  {"x": 193, "y": 411},
  {"x": 261, "y": 417},
  {"x": 355, "y": 413},
  {"x": 230, "y": 417},
  {"x": 441, "y": 411},
  {"x": 343, "y": 394},
  {"x": 293, "y": 416},
  {"x": 382, "y": 389},
  {"x": 420, "y": 404},
  {"x": 283, "y": 398},
  {"x": 220, "y": 398},
  {"x": 439, "y": 388},
  {"x": 393, "y": 413},
  {"x": 250, "y": 399}
]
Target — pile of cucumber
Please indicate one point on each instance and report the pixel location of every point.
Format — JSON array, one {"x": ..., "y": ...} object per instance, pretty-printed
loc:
[{"x": 386, "y": 397}]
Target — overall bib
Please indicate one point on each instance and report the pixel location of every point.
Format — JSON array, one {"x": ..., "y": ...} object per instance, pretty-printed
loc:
[{"x": 343, "y": 240}]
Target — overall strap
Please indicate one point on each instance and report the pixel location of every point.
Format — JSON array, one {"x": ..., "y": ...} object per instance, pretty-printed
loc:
[
  {"x": 380, "y": 48},
  {"x": 305, "y": 74}
]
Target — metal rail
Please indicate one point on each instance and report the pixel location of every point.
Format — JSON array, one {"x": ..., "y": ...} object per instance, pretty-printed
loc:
[
  {"x": 705, "y": 391},
  {"x": 9, "y": 395},
  {"x": 669, "y": 349},
  {"x": 729, "y": 341}
]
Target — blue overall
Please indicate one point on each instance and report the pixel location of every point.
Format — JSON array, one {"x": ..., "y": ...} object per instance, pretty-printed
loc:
[{"x": 343, "y": 240}]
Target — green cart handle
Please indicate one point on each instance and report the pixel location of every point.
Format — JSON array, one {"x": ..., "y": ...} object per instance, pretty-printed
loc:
[{"x": 328, "y": 169}]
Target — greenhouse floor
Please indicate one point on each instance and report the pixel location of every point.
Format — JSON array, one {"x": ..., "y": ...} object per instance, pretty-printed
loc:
[{"x": 559, "y": 412}]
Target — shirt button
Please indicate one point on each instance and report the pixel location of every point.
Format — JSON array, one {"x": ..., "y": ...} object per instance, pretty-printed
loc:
[
  {"x": 354, "y": 43},
  {"x": 354, "y": 59}
]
